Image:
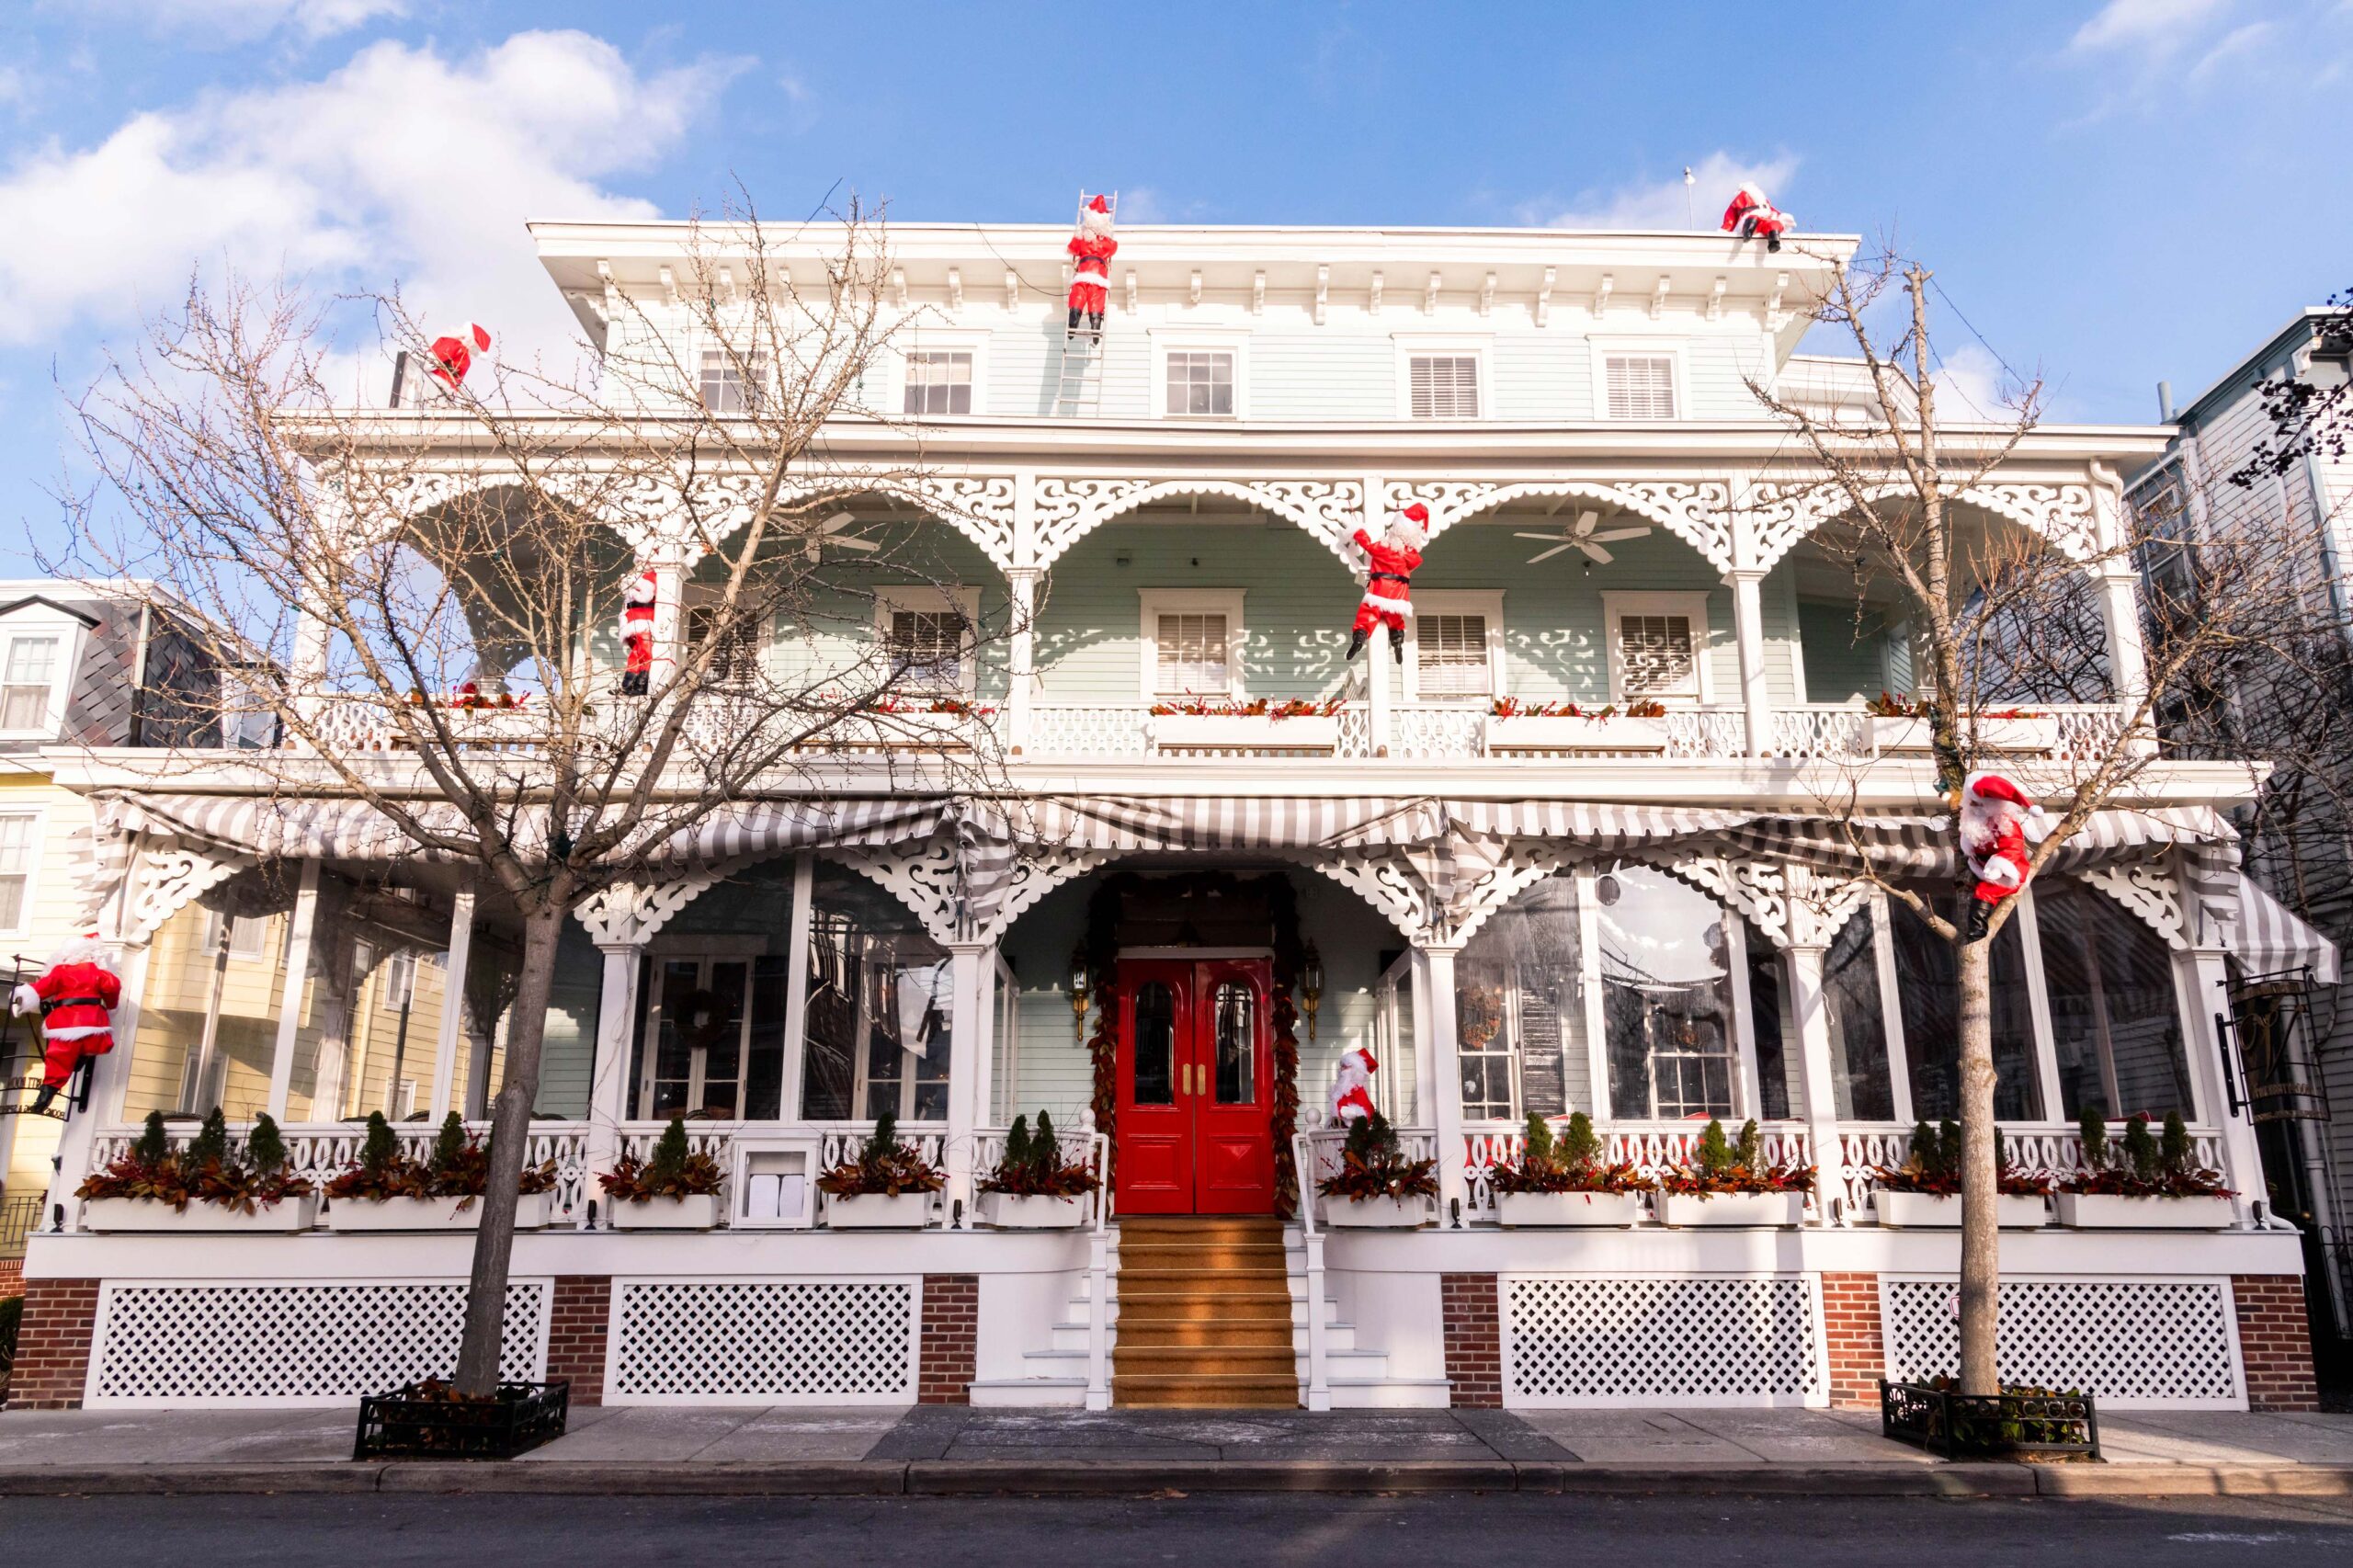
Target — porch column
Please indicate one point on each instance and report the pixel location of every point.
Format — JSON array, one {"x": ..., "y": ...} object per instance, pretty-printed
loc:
[
  {"x": 1812, "y": 1011},
  {"x": 309, "y": 665},
  {"x": 2199, "y": 974},
  {"x": 289, "y": 995},
  {"x": 1021, "y": 584},
  {"x": 967, "y": 1055},
  {"x": 453, "y": 1002},
  {"x": 616, "y": 1025},
  {"x": 1748, "y": 630},
  {"x": 1436, "y": 962},
  {"x": 2128, "y": 660}
]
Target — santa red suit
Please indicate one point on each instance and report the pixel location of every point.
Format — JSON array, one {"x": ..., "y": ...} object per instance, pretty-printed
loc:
[
  {"x": 1094, "y": 247},
  {"x": 1994, "y": 814},
  {"x": 637, "y": 634},
  {"x": 453, "y": 356},
  {"x": 1750, "y": 216},
  {"x": 1352, "y": 1089},
  {"x": 1388, "y": 584},
  {"x": 75, "y": 998}
]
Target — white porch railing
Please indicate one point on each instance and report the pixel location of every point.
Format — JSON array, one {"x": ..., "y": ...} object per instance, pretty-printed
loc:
[
  {"x": 1842, "y": 731},
  {"x": 1651, "y": 1148},
  {"x": 2054, "y": 1149}
]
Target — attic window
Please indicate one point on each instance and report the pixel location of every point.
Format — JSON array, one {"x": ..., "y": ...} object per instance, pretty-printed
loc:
[
  {"x": 1444, "y": 386},
  {"x": 27, "y": 677},
  {"x": 1642, "y": 386}
]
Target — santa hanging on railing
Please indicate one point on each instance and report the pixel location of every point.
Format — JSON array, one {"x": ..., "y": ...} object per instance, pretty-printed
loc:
[
  {"x": 1094, "y": 247},
  {"x": 637, "y": 634},
  {"x": 76, "y": 996},
  {"x": 1994, "y": 814},
  {"x": 1387, "y": 583},
  {"x": 1751, "y": 217},
  {"x": 1352, "y": 1089}
]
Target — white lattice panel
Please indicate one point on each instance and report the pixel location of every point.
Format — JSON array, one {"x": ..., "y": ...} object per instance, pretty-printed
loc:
[
  {"x": 833, "y": 1342},
  {"x": 286, "y": 1345},
  {"x": 2131, "y": 1343},
  {"x": 1686, "y": 1340}
]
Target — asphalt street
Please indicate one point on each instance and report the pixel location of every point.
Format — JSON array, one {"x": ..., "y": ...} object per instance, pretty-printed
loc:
[{"x": 1495, "y": 1531}]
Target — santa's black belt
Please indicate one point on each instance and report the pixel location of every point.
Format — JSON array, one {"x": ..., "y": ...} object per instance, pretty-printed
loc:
[
  {"x": 72, "y": 1002},
  {"x": 1388, "y": 576}
]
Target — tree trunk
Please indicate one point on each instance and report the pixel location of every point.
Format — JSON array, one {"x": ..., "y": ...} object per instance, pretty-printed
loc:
[
  {"x": 510, "y": 1137},
  {"x": 1980, "y": 1169}
]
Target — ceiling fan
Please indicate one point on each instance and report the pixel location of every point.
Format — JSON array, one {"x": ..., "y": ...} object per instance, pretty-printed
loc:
[
  {"x": 1583, "y": 537},
  {"x": 830, "y": 532}
]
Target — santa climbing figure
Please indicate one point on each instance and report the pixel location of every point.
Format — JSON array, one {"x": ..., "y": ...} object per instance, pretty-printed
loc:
[
  {"x": 1387, "y": 583},
  {"x": 1752, "y": 216},
  {"x": 637, "y": 634},
  {"x": 1093, "y": 247},
  {"x": 1352, "y": 1090},
  {"x": 454, "y": 356},
  {"x": 1994, "y": 814},
  {"x": 75, "y": 998}
]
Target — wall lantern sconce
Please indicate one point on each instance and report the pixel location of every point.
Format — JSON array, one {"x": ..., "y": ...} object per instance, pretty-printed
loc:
[
  {"x": 1080, "y": 985},
  {"x": 1310, "y": 986}
]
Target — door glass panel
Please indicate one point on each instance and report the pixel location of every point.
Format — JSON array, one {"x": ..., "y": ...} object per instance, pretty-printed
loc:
[
  {"x": 764, "y": 1080},
  {"x": 723, "y": 1039},
  {"x": 1156, "y": 1032},
  {"x": 674, "y": 1046},
  {"x": 1236, "y": 1012}
]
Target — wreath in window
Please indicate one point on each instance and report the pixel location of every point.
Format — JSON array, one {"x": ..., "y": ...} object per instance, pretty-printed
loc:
[{"x": 701, "y": 1020}]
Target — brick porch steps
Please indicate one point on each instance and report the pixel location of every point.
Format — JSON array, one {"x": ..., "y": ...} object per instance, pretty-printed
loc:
[{"x": 1205, "y": 1314}]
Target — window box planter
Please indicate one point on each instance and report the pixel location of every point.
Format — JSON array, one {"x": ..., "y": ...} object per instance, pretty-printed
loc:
[
  {"x": 1557, "y": 735},
  {"x": 400, "y": 1425},
  {"x": 143, "y": 1214},
  {"x": 901, "y": 731},
  {"x": 700, "y": 1212},
  {"x": 532, "y": 1212},
  {"x": 879, "y": 1211},
  {"x": 1579, "y": 1209},
  {"x": 1960, "y": 1425},
  {"x": 1914, "y": 737},
  {"x": 1307, "y": 734},
  {"x": 1931, "y": 1210},
  {"x": 1018, "y": 1212},
  {"x": 2104, "y": 1211},
  {"x": 1376, "y": 1214},
  {"x": 1685, "y": 1208}
]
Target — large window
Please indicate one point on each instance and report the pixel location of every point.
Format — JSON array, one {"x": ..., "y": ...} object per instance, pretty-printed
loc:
[
  {"x": 879, "y": 999},
  {"x": 939, "y": 382},
  {"x": 717, "y": 1029},
  {"x": 1860, "y": 1080},
  {"x": 1928, "y": 978},
  {"x": 1666, "y": 984},
  {"x": 2114, "y": 1025},
  {"x": 1520, "y": 1009},
  {"x": 1200, "y": 382}
]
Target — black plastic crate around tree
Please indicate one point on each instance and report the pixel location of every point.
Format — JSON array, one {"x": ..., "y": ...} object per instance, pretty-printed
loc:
[
  {"x": 2016, "y": 1422},
  {"x": 424, "y": 1420}
]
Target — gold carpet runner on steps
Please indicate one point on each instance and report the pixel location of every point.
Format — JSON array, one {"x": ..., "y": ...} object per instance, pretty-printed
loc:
[{"x": 1205, "y": 1314}]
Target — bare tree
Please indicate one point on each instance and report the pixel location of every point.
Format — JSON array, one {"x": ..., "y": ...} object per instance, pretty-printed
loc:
[
  {"x": 2001, "y": 618},
  {"x": 423, "y": 601}
]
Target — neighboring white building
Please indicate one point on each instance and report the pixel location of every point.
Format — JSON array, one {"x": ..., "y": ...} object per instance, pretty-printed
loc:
[{"x": 1518, "y": 915}]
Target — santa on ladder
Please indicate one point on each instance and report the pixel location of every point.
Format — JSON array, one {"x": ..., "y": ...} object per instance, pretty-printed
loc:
[
  {"x": 76, "y": 996},
  {"x": 1751, "y": 216},
  {"x": 1094, "y": 247},
  {"x": 637, "y": 634},
  {"x": 1388, "y": 584},
  {"x": 1994, "y": 814}
]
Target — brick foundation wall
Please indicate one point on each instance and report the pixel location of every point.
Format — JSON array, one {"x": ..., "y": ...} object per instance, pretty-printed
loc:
[
  {"x": 1858, "y": 1350},
  {"x": 577, "y": 1324},
  {"x": 53, "y": 1344},
  {"x": 12, "y": 1276},
  {"x": 2275, "y": 1342},
  {"x": 950, "y": 1339},
  {"x": 1474, "y": 1342}
]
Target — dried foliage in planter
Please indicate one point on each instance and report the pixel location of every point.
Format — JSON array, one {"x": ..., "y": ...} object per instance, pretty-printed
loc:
[
  {"x": 459, "y": 1167},
  {"x": 1033, "y": 1166},
  {"x": 1571, "y": 1162},
  {"x": 1718, "y": 1165},
  {"x": 1932, "y": 1166},
  {"x": 675, "y": 1170},
  {"x": 207, "y": 1171},
  {"x": 1374, "y": 1165},
  {"x": 2146, "y": 1166},
  {"x": 885, "y": 1167}
]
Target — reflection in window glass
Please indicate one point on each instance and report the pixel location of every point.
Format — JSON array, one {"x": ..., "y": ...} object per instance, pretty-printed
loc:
[
  {"x": 1666, "y": 996},
  {"x": 1235, "y": 1011},
  {"x": 2114, "y": 1024},
  {"x": 877, "y": 1009},
  {"x": 1859, "y": 1070},
  {"x": 1779, "y": 1058},
  {"x": 1928, "y": 982},
  {"x": 1156, "y": 1034},
  {"x": 1520, "y": 1009}
]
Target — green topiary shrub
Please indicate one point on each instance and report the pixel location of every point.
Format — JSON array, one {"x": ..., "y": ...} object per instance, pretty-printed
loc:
[
  {"x": 2092, "y": 1128},
  {"x": 450, "y": 1146},
  {"x": 155, "y": 1146},
  {"x": 267, "y": 1147},
  {"x": 1580, "y": 1145},
  {"x": 382, "y": 1147}
]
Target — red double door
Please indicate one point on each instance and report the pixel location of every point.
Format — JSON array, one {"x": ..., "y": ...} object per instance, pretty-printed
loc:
[{"x": 1195, "y": 1067}]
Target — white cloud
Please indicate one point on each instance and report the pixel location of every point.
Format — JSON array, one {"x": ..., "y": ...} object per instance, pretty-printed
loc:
[
  {"x": 1665, "y": 204},
  {"x": 237, "y": 21},
  {"x": 2149, "y": 26},
  {"x": 2237, "y": 44},
  {"x": 1976, "y": 386},
  {"x": 403, "y": 165}
]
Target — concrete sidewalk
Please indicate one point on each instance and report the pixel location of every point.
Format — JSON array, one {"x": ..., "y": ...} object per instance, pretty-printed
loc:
[{"x": 938, "y": 1451}]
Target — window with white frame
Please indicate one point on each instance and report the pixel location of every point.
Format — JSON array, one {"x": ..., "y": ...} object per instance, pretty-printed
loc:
[
  {"x": 1640, "y": 386},
  {"x": 247, "y": 934},
  {"x": 737, "y": 660},
  {"x": 927, "y": 636},
  {"x": 939, "y": 382},
  {"x": 1200, "y": 382},
  {"x": 1658, "y": 646},
  {"x": 1192, "y": 643},
  {"x": 721, "y": 382},
  {"x": 16, "y": 840},
  {"x": 28, "y": 674},
  {"x": 1442, "y": 386},
  {"x": 1456, "y": 652}
]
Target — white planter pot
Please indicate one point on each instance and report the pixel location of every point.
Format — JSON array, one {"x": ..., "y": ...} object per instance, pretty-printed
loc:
[
  {"x": 879, "y": 1211},
  {"x": 700, "y": 1212},
  {"x": 1531, "y": 1209},
  {"x": 361, "y": 1215},
  {"x": 1917, "y": 736},
  {"x": 1616, "y": 734},
  {"x": 122, "y": 1214},
  {"x": 1015, "y": 1211},
  {"x": 1732, "y": 1209},
  {"x": 2100, "y": 1211},
  {"x": 1376, "y": 1214},
  {"x": 1256, "y": 734},
  {"x": 1930, "y": 1211}
]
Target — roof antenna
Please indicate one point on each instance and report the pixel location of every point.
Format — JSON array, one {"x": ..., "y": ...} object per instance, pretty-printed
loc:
[{"x": 1691, "y": 212}]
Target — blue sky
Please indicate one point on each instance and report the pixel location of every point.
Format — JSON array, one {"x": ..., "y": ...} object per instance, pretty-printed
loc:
[{"x": 2114, "y": 192}]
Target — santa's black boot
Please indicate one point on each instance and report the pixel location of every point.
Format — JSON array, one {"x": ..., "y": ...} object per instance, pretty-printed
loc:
[
  {"x": 41, "y": 1101},
  {"x": 1773, "y": 243},
  {"x": 1356, "y": 640},
  {"x": 1397, "y": 644},
  {"x": 1980, "y": 915},
  {"x": 1095, "y": 322},
  {"x": 1074, "y": 313}
]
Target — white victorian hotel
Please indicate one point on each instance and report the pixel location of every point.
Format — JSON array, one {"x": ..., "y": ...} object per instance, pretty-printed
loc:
[{"x": 1193, "y": 914}]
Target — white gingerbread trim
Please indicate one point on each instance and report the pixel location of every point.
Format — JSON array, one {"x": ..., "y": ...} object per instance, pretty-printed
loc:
[{"x": 1067, "y": 509}]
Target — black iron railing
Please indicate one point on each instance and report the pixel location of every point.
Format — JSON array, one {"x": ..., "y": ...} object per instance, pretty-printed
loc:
[{"x": 19, "y": 1217}]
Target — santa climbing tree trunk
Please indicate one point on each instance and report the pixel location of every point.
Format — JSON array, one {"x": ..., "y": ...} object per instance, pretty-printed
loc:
[{"x": 1979, "y": 1174}]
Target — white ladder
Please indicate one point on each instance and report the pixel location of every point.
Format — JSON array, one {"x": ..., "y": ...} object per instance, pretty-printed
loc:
[{"x": 1078, "y": 393}]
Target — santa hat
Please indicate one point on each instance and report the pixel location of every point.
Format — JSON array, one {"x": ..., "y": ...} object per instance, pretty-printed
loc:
[
  {"x": 82, "y": 950},
  {"x": 1994, "y": 786},
  {"x": 641, "y": 589},
  {"x": 1413, "y": 521},
  {"x": 1095, "y": 218},
  {"x": 1748, "y": 188}
]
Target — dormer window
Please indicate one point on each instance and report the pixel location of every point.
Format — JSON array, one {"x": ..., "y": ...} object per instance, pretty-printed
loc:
[{"x": 28, "y": 683}]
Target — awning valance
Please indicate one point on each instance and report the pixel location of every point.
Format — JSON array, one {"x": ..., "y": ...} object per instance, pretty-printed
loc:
[{"x": 2273, "y": 938}]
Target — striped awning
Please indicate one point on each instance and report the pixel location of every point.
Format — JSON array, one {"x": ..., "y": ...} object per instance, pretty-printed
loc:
[{"x": 2272, "y": 936}]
